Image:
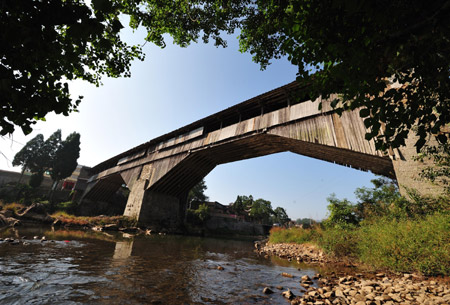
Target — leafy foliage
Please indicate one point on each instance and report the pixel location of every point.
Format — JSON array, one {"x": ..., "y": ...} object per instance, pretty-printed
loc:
[
  {"x": 65, "y": 157},
  {"x": 341, "y": 212},
  {"x": 29, "y": 156},
  {"x": 45, "y": 44},
  {"x": 199, "y": 215},
  {"x": 439, "y": 172},
  {"x": 261, "y": 210},
  {"x": 241, "y": 205},
  {"x": 359, "y": 49},
  {"x": 36, "y": 179},
  {"x": 55, "y": 156},
  {"x": 280, "y": 216},
  {"x": 197, "y": 193}
]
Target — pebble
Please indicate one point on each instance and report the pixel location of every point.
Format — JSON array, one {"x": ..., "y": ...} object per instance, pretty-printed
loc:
[
  {"x": 358, "y": 289},
  {"x": 267, "y": 290}
]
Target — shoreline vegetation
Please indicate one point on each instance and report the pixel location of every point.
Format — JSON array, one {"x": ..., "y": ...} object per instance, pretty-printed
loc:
[
  {"x": 400, "y": 245},
  {"x": 386, "y": 249}
]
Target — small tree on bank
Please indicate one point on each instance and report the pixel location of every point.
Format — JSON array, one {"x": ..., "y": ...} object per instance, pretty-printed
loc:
[
  {"x": 29, "y": 156},
  {"x": 54, "y": 156}
]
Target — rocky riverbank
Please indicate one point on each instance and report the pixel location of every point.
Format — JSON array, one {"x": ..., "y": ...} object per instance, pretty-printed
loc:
[
  {"x": 364, "y": 288},
  {"x": 306, "y": 253}
]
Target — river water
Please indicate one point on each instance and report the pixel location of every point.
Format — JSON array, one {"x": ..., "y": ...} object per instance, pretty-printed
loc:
[{"x": 84, "y": 267}]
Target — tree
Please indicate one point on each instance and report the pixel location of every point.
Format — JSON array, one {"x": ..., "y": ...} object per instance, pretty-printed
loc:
[
  {"x": 280, "y": 216},
  {"x": 242, "y": 204},
  {"x": 46, "y": 43},
  {"x": 261, "y": 210},
  {"x": 65, "y": 158},
  {"x": 439, "y": 172},
  {"x": 197, "y": 193},
  {"x": 29, "y": 156},
  {"x": 376, "y": 201},
  {"x": 357, "y": 48},
  {"x": 341, "y": 212},
  {"x": 53, "y": 155}
]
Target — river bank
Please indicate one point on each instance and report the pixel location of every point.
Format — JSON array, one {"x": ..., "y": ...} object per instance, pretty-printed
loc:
[{"x": 352, "y": 283}]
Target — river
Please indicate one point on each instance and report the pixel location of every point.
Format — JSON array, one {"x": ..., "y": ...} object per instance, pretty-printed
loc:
[{"x": 85, "y": 267}]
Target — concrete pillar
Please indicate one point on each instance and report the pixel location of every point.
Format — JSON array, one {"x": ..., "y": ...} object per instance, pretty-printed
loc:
[
  {"x": 155, "y": 210},
  {"x": 408, "y": 171}
]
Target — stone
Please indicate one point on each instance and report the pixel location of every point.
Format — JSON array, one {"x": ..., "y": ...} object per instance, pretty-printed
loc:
[
  {"x": 313, "y": 293},
  {"x": 267, "y": 290},
  {"x": 338, "y": 292},
  {"x": 220, "y": 268},
  {"x": 305, "y": 278},
  {"x": 285, "y": 274},
  {"x": 288, "y": 294}
]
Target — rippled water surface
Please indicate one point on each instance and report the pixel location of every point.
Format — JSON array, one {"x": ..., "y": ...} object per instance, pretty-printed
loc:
[{"x": 82, "y": 267}]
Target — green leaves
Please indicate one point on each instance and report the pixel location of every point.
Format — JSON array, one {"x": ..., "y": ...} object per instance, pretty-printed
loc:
[{"x": 44, "y": 43}]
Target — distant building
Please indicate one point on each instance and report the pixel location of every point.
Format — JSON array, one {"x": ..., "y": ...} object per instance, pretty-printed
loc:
[{"x": 78, "y": 180}]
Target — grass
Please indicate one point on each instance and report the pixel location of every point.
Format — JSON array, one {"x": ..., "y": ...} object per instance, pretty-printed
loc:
[
  {"x": 294, "y": 235},
  {"x": 73, "y": 220},
  {"x": 421, "y": 245},
  {"x": 402, "y": 245},
  {"x": 13, "y": 207}
]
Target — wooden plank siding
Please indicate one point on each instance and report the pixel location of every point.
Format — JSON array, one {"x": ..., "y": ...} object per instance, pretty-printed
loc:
[{"x": 178, "y": 160}]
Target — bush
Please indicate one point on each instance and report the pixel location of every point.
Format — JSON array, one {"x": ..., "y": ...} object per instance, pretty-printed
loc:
[
  {"x": 68, "y": 206},
  {"x": 198, "y": 216},
  {"x": 421, "y": 245},
  {"x": 340, "y": 241},
  {"x": 294, "y": 235},
  {"x": 15, "y": 208}
]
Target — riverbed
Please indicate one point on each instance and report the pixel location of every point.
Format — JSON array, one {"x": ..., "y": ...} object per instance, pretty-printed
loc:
[{"x": 85, "y": 267}]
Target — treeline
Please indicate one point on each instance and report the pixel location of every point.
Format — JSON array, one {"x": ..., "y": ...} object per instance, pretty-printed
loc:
[
  {"x": 54, "y": 156},
  {"x": 248, "y": 208},
  {"x": 259, "y": 210},
  {"x": 383, "y": 229}
]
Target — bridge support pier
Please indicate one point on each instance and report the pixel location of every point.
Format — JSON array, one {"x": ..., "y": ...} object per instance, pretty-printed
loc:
[
  {"x": 407, "y": 170},
  {"x": 155, "y": 210}
]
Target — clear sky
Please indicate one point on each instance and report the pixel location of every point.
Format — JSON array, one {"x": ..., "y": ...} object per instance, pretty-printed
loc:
[{"x": 174, "y": 87}]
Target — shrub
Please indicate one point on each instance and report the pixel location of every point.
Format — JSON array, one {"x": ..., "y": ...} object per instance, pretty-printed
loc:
[
  {"x": 68, "y": 206},
  {"x": 14, "y": 207},
  {"x": 198, "y": 216},
  {"x": 293, "y": 235},
  {"x": 421, "y": 245},
  {"x": 340, "y": 240}
]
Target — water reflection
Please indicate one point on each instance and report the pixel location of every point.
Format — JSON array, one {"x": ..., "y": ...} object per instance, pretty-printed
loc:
[{"x": 97, "y": 268}]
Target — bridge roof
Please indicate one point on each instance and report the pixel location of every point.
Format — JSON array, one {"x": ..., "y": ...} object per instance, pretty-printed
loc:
[{"x": 267, "y": 99}]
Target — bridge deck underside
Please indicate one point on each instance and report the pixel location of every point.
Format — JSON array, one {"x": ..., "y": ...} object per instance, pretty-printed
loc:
[{"x": 104, "y": 189}]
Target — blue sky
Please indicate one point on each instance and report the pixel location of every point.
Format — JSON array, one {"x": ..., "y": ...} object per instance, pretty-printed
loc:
[{"x": 174, "y": 87}]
